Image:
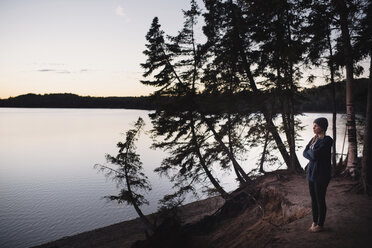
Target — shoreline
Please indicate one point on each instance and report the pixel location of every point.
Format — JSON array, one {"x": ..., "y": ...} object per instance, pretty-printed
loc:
[
  {"x": 129, "y": 231},
  {"x": 279, "y": 218},
  {"x": 4, "y": 107}
]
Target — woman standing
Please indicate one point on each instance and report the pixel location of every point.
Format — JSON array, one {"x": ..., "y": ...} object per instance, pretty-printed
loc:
[{"x": 318, "y": 171}]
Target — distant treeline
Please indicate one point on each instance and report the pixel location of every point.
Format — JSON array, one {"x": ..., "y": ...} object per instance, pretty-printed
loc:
[
  {"x": 317, "y": 99},
  {"x": 68, "y": 100}
]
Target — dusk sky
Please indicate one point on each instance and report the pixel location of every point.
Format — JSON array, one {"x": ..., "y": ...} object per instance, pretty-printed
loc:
[{"x": 86, "y": 47}]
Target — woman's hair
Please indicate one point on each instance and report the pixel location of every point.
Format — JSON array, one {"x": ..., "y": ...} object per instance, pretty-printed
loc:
[{"x": 313, "y": 140}]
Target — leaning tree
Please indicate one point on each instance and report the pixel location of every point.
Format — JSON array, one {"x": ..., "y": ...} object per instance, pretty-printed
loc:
[{"x": 127, "y": 173}]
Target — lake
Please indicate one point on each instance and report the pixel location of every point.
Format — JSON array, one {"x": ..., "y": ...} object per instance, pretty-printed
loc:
[{"x": 48, "y": 186}]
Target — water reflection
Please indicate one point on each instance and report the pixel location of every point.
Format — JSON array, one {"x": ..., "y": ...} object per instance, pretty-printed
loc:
[{"x": 48, "y": 187}]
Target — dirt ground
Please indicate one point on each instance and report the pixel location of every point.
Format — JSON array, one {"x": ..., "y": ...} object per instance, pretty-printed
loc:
[
  {"x": 278, "y": 216},
  {"x": 285, "y": 216},
  {"x": 348, "y": 221},
  {"x": 124, "y": 234}
]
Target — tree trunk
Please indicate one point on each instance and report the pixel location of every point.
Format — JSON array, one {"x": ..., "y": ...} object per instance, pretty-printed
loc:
[
  {"x": 214, "y": 182},
  {"x": 288, "y": 125},
  {"x": 271, "y": 127},
  {"x": 291, "y": 107},
  {"x": 268, "y": 118},
  {"x": 367, "y": 146},
  {"x": 286, "y": 128},
  {"x": 202, "y": 161},
  {"x": 231, "y": 157},
  {"x": 352, "y": 161},
  {"x": 264, "y": 153},
  {"x": 144, "y": 219},
  {"x": 334, "y": 108},
  {"x": 334, "y": 121},
  {"x": 238, "y": 174},
  {"x": 292, "y": 145}
]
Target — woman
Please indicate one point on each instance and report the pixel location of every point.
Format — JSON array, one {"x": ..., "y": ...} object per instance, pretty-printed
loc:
[{"x": 318, "y": 171}]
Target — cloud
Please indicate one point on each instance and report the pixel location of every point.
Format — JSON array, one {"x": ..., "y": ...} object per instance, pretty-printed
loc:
[
  {"x": 120, "y": 11},
  {"x": 52, "y": 70},
  {"x": 66, "y": 71}
]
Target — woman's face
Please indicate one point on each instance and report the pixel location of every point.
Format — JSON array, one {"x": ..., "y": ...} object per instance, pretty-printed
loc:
[{"x": 317, "y": 129}]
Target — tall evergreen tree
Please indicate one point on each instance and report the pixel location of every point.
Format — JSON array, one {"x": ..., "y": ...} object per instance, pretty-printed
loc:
[
  {"x": 276, "y": 29},
  {"x": 367, "y": 144},
  {"x": 338, "y": 18},
  {"x": 321, "y": 30},
  {"x": 128, "y": 175},
  {"x": 344, "y": 10},
  {"x": 222, "y": 78},
  {"x": 159, "y": 63},
  {"x": 229, "y": 49},
  {"x": 174, "y": 66},
  {"x": 364, "y": 46}
]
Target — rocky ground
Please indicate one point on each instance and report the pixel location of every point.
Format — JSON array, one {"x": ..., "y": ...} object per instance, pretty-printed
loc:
[{"x": 275, "y": 212}]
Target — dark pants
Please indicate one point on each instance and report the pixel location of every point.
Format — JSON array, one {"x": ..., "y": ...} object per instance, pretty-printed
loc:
[{"x": 318, "y": 203}]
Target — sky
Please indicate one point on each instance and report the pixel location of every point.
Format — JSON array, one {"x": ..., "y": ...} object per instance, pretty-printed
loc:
[{"x": 85, "y": 47}]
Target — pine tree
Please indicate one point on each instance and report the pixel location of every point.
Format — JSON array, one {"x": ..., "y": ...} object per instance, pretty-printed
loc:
[
  {"x": 347, "y": 12},
  {"x": 364, "y": 46},
  {"x": 159, "y": 63},
  {"x": 321, "y": 30},
  {"x": 128, "y": 175},
  {"x": 222, "y": 79},
  {"x": 276, "y": 33},
  {"x": 226, "y": 49},
  {"x": 176, "y": 72},
  {"x": 367, "y": 144}
]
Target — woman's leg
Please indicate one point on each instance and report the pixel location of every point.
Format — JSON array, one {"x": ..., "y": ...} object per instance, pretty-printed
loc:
[
  {"x": 314, "y": 202},
  {"x": 320, "y": 192}
]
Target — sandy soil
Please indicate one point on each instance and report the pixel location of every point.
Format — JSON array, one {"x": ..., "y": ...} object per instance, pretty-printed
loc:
[
  {"x": 348, "y": 222},
  {"x": 124, "y": 234},
  {"x": 286, "y": 217},
  {"x": 279, "y": 216}
]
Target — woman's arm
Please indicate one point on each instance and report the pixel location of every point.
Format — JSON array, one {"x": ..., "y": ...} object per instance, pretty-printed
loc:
[
  {"x": 319, "y": 149},
  {"x": 306, "y": 149}
]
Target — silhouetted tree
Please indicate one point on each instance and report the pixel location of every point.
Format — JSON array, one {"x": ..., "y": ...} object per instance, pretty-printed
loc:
[
  {"x": 276, "y": 32},
  {"x": 221, "y": 77},
  {"x": 347, "y": 12},
  {"x": 128, "y": 175},
  {"x": 367, "y": 148},
  {"x": 174, "y": 68},
  {"x": 364, "y": 46},
  {"x": 229, "y": 52},
  {"x": 321, "y": 29}
]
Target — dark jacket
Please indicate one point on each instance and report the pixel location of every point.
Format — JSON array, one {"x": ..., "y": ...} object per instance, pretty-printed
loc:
[{"x": 319, "y": 167}]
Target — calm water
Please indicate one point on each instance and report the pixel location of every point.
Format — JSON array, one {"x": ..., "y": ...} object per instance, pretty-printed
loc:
[{"x": 48, "y": 186}]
